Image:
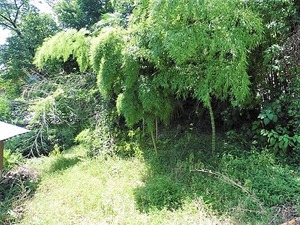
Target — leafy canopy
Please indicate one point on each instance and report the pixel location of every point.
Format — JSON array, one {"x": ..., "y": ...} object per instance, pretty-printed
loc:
[
  {"x": 81, "y": 13},
  {"x": 170, "y": 48},
  {"x": 198, "y": 47},
  {"x": 106, "y": 60},
  {"x": 17, "y": 53},
  {"x": 121, "y": 78},
  {"x": 11, "y": 13}
]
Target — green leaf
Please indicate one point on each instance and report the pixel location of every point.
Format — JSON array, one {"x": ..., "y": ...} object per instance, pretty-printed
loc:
[
  {"x": 286, "y": 144},
  {"x": 281, "y": 145},
  {"x": 266, "y": 121},
  {"x": 255, "y": 125},
  {"x": 272, "y": 141},
  {"x": 270, "y": 116}
]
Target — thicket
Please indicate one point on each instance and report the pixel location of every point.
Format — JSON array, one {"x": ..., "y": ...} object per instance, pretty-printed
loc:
[{"x": 150, "y": 69}]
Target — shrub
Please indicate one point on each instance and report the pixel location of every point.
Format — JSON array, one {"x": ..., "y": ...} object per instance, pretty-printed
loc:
[
  {"x": 278, "y": 127},
  {"x": 125, "y": 143},
  {"x": 99, "y": 138},
  {"x": 10, "y": 159}
]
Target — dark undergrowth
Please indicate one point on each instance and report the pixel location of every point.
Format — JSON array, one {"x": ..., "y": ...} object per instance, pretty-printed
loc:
[{"x": 250, "y": 185}]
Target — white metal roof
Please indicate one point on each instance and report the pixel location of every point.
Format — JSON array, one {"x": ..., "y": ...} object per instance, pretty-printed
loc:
[{"x": 8, "y": 131}]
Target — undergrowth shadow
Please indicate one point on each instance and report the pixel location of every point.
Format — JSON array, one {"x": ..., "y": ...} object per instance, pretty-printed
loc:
[
  {"x": 246, "y": 185},
  {"x": 62, "y": 163},
  {"x": 167, "y": 185}
]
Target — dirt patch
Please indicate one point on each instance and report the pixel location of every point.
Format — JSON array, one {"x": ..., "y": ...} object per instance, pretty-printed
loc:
[
  {"x": 286, "y": 215},
  {"x": 16, "y": 177}
]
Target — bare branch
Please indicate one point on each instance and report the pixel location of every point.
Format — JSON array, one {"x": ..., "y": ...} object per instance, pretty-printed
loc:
[{"x": 18, "y": 10}]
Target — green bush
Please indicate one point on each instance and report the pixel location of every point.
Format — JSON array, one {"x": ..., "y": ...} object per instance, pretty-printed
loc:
[
  {"x": 98, "y": 141},
  {"x": 278, "y": 125},
  {"x": 99, "y": 138},
  {"x": 128, "y": 143},
  {"x": 10, "y": 159},
  {"x": 4, "y": 109},
  {"x": 124, "y": 143}
]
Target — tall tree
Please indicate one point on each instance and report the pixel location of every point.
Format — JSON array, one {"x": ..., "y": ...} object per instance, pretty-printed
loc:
[
  {"x": 17, "y": 54},
  {"x": 81, "y": 13},
  {"x": 175, "y": 49},
  {"x": 11, "y": 12},
  {"x": 198, "y": 48}
]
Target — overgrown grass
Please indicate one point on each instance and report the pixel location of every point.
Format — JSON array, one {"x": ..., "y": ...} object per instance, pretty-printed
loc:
[
  {"x": 102, "y": 191},
  {"x": 182, "y": 184},
  {"x": 247, "y": 185}
]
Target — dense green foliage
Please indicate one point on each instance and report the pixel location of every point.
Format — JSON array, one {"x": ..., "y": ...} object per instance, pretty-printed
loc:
[
  {"x": 200, "y": 51},
  {"x": 17, "y": 54},
  {"x": 106, "y": 60},
  {"x": 81, "y": 13},
  {"x": 197, "y": 49},
  {"x": 64, "y": 46},
  {"x": 170, "y": 52},
  {"x": 4, "y": 109}
]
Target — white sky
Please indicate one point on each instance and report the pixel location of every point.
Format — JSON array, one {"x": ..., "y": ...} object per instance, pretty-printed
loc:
[
  {"x": 3, "y": 35},
  {"x": 40, "y": 4}
]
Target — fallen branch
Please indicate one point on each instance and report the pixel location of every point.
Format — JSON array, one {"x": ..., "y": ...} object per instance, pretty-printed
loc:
[{"x": 228, "y": 180}]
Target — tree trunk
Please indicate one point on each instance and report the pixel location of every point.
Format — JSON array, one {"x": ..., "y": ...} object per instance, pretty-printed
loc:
[
  {"x": 153, "y": 141},
  {"x": 213, "y": 127},
  {"x": 156, "y": 128}
]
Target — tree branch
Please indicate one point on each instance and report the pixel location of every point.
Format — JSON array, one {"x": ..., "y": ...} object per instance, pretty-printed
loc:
[
  {"x": 11, "y": 21},
  {"x": 7, "y": 25},
  {"x": 18, "y": 10}
]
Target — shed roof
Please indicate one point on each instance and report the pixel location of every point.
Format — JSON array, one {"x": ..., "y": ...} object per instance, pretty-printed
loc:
[{"x": 8, "y": 131}]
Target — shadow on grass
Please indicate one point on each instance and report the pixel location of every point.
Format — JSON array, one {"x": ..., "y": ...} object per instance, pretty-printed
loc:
[
  {"x": 62, "y": 163},
  {"x": 170, "y": 180},
  {"x": 252, "y": 183}
]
